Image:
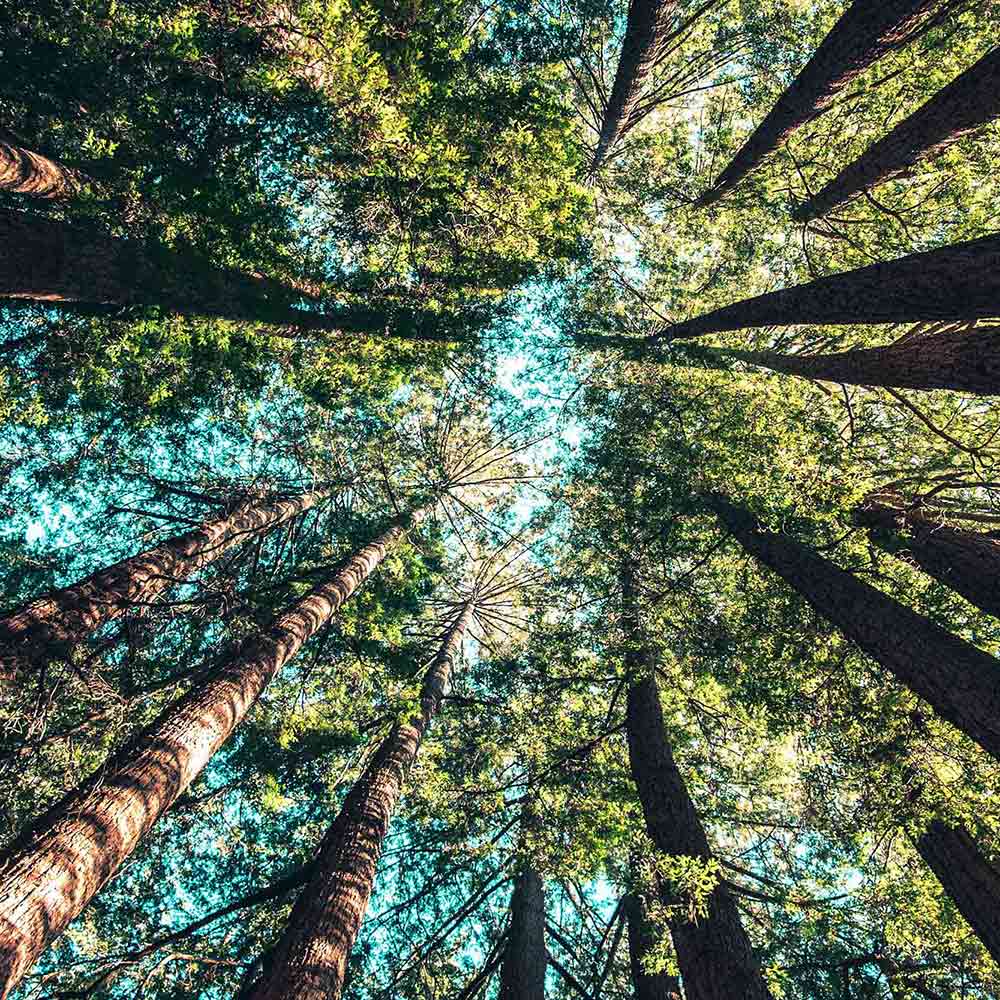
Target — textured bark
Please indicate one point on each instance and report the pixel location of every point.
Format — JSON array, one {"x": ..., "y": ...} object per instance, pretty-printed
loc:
[
  {"x": 23, "y": 171},
  {"x": 641, "y": 940},
  {"x": 957, "y": 282},
  {"x": 966, "y": 561},
  {"x": 647, "y": 26},
  {"x": 970, "y": 881},
  {"x": 310, "y": 960},
  {"x": 964, "y": 360},
  {"x": 965, "y": 105},
  {"x": 53, "y": 870},
  {"x": 960, "y": 681},
  {"x": 864, "y": 34},
  {"x": 522, "y": 973},
  {"x": 49, "y": 626}
]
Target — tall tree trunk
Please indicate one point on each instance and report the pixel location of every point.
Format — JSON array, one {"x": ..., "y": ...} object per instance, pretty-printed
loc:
[
  {"x": 310, "y": 960},
  {"x": 957, "y": 282},
  {"x": 49, "y": 626},
  {"x": 971, "y": 882},
  {"x": 522, "y": 973},
  {"x": 53, "y": 870},
  {"x": 864, "y": 34},
  {"x": 966, "y": 561},
  {"x": 966, "y": 104},
  {"x": 960, "y": 681},
  {"x": 23, "y": 171},
  {"x": 713, "y": 952},
  {"x": 964, "y": 360},
  {"x": 641, "y": 940},
  {"x": 648, "y": 24}
]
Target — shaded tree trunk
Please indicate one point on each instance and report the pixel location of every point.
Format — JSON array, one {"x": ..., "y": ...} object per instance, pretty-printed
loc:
[
  {"x": 970, "y": 881},
  {"x": 957, "y": 282},
  {"x": 641, "y": 940},
  {"x": 966, "y": 561},
  {"x": 713, "y": 952},
  {"x": 964, "y": 360},
  {"x": 864, "y": 34},
  {"x": 310, "y": 960},
  {"x": 53, "y": 870},
  {"x": 960, "y": 681},
  {"x": 647, "y": 26},
  {"x": 23, "y": 171},
  {"x": 49, "y": 626},
  {"x": 966, "y": 104},
  {"x": 522, "y": 973}
]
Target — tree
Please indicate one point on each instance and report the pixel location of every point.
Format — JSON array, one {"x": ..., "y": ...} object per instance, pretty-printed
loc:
[
  {"x": 23, "y": 171},
  {"x": 646, "y": 985},
  {"x": 522, "y": 970}
]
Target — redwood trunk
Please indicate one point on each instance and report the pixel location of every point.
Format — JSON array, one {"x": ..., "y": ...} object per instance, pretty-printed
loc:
[
  {"x": 960, "y": 681},
  {"x": 864, "y": 34},
  {"x": 641, "y": 940},
  {"x": 648, "y": 24},
  {"x": 964, "y": 360},
  {"x": 23, "y": 171},
  {"x": 970, "y": 881},
  {"x": 522, "y": 974},
  {"x": 966, "y": 561},
  {"x": 965, "y": 105},
  {"x": 53, "y": 870},
  {"x": 958, "y": 282},
  {"x": 47, "y": 627},
  {"x": 311, "y": 958}
]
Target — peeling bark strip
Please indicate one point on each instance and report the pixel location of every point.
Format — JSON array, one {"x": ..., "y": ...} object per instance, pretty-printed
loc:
[
  {"x": 968, "y": 103},
  {"x": 866, "y": 32},
  {"x": 648, "y": 23},
  {"x": 47, "y": 627},
  {"x": 522, "y": 975},
  {"x": 970, "y": 881},
  {"x": 966, "y": 561},
  {"x": 310, "y": 960},
  {"x": 23, "y": 171},
  {"x": 957, "y": 282},
  {"x": 641, "y": 940},
  {"x": 964, "y": 360},
  {"x": 53, "y": 870},
  {"x": 960, "y": 681}
]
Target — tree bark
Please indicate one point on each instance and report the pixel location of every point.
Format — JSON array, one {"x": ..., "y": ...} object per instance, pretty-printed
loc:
[
  {"x": 525, "y": 960},
  {"x": 48, "y": 627},
  {"x": 645, "y": 985},
  {"x": 971, "y": 882},
  {"x": 53, "y": 870},
  {"x": 648, "y": 24},
  {"x": 864, "y": 34},
  {"x": 965, "y": 105},
  {"x": 960, "y": 681},
  {"x": 957, "y": 282},
  {"x": 310, "y": 960},
  {"x": 968, "y": 562},
  {"x": 963, "y": 360},
  {"x": 23, "y": 171}
]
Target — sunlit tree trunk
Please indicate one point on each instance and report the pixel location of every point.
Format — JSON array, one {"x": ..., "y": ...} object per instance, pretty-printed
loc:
[
  {"x": 960, "y": 681},
  {"x": 49, "y": 626},
  {"x": 23, "y": 171},
  {"x": 648, "y": 24},
  {"x": 966, "y": 561},
  {"x": 641, "y": 940},
  {"x": 522, "y": 972},
  {"x": 310, "y": 960},
  {"x": 53, "y": 870},
  {"x": 966, "y": 104},
  {"x": 864, "y": 34},
  {"x": 958, "y": 282}
]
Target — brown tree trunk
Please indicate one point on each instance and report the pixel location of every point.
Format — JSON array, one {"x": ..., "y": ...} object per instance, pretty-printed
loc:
[
  {"x": 966, "y": 561},
  {"x": 49, "y": 626},
  {"x": 641, "y": 940},
  {"x": 971, "y": 882},
  {"x": 53, "y": 870},
  {"x": 958, "y": 282},
  {"x": 713, "y": 952},
  {"x": 966, "y": 104},
  {"x": 964, "y": 360},
  {"x": 864, "y": 34},
  {"x": 960, "y": 681},
  {"x": 311, "y": 958},
  {"x": 648, "y": 24},
  {"x": 23, "y": 171},
  {"x": 525, "y": 960}
]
